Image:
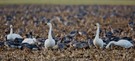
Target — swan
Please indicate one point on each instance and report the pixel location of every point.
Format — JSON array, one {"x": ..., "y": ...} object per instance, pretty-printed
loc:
[
  {"x": 50, "y": 42},
  {"x": 29, "y": 39},
  {"x": 121, "y": 43},
  {"x": 12, "y": 36},
  {"x": 98, "y": 42}
]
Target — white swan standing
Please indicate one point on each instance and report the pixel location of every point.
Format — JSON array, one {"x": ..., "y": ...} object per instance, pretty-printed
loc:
[
  {"x": 12, "y": 35},
  {"x": 50, "y": 42},
  {"x": 121, "y": 43},
  {"x": 98, "y": 42}
]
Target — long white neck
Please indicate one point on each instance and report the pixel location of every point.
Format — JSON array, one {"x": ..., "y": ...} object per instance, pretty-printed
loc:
[
  {"x": 50, "y": 31},
  {"x": 97, "y": 32},
  {"x": 112, "y": 42},
  {"x": 11, "y": 30}
]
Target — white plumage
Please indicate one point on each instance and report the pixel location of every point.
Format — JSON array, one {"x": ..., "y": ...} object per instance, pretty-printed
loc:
[
  {"x": 29, "y": 40},
  {"x": 98, "y": 42},
  {"x": 12, "y": 35},
  {"x": 50, "y": 42},
  {"x": 121, "y": 43}
]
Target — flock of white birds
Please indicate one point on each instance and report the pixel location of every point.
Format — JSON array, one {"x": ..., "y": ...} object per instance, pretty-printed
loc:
[
  {"x": 98, "y": 42},
  {"x": 50, "y": 42}
]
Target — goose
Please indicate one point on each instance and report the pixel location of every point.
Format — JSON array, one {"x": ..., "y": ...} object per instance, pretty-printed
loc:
[
  {"x": 121, "y": 43},
  {"x": 29, "y": 46},
  {"x": 12, "y": 44},
  {"x": 50, "y": 42},
  {"x": 81, "y": 44},
  {"x": 1, "y": 43},
  {"x": 29, "y": 39},
  {"x": 12, "y": 36},
  {"x": 98, "y": 42}
]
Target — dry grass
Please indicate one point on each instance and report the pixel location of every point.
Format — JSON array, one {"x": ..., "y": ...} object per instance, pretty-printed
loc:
[{"x": 69, "y": 54}]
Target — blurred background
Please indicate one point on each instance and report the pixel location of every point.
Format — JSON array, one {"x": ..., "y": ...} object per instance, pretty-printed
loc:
[{"x": 71, "y": 2}]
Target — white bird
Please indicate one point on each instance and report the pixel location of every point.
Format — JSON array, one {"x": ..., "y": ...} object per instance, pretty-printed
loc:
[
  {"x": 12, "y": 35},
  {"x": 98, "y": 42},
  {"x": 50, "y": 42},
  {"x": 121, "y": 43},
  {"x": 29, "y": 40}
]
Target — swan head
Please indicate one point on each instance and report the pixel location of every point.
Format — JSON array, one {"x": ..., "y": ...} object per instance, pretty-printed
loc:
[
  {"x": 48, "y": 23},
  {"x": 11, "y": 26},
  {"x": 97, "y": 24}
]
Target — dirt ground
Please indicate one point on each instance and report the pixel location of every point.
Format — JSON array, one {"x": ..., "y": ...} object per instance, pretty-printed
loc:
[{"x": 74, "y": 17}]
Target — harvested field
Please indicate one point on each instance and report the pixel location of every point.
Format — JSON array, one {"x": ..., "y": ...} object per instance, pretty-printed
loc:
[{"x": 74, "y": 17}]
